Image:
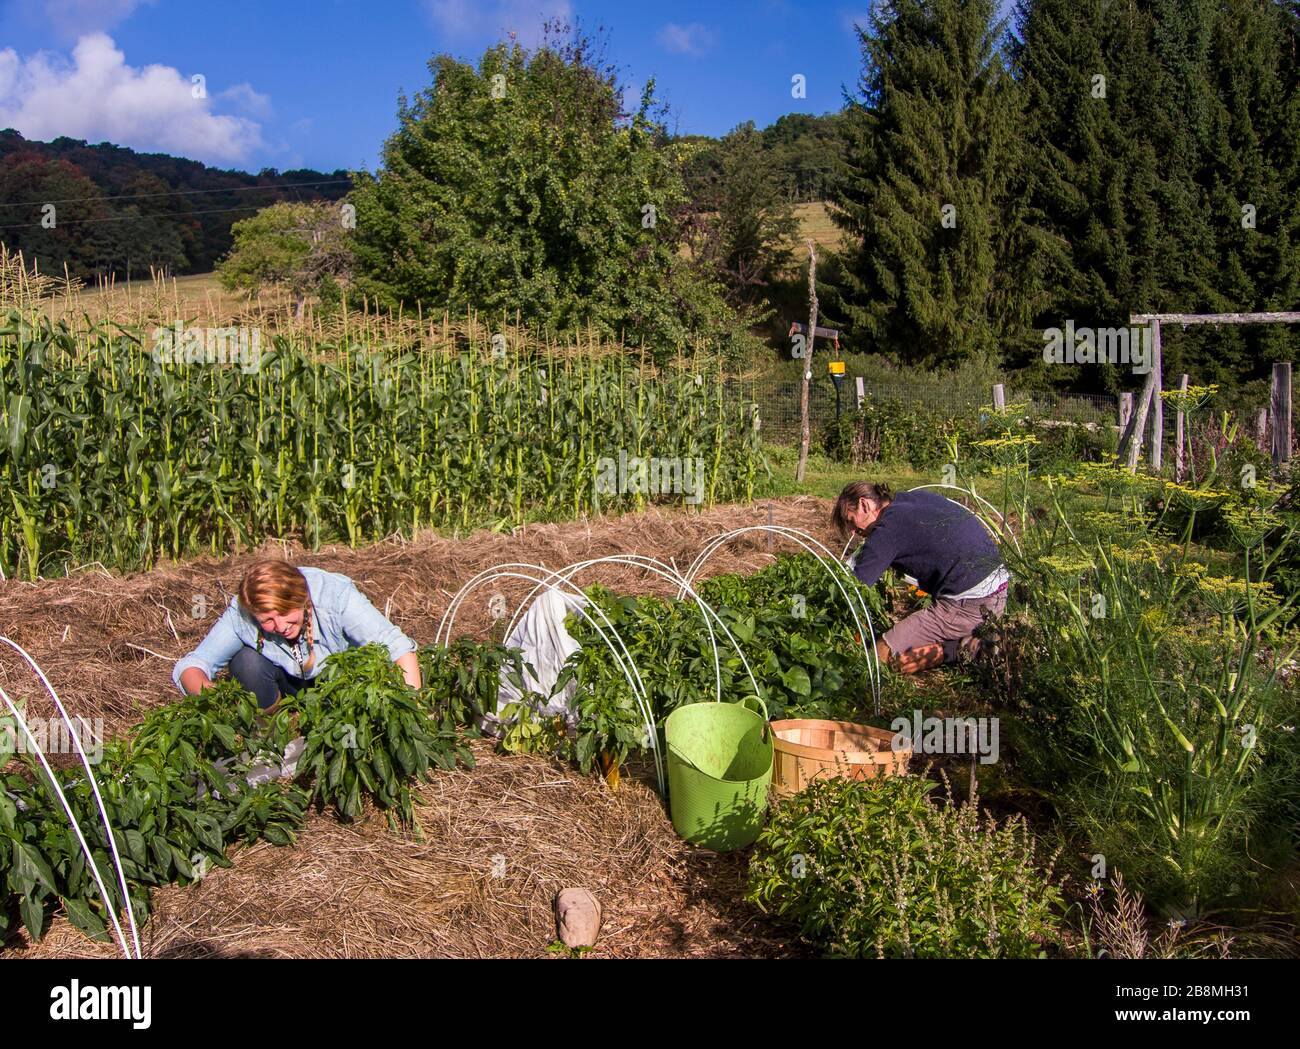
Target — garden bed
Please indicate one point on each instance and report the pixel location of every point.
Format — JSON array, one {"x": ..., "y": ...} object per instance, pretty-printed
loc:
[
  {"x": 360, "y": 889},
  {"x": 500, "y": 840},
  {"x": 82, "y": 629}
]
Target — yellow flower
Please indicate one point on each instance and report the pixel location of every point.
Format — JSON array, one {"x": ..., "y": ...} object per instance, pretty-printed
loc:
[
  {"x": 1194, "y": 498},
  {"x": 1112, "y": 476},
  {"x": 1112, "y": 521},
  {"x": 1227, "y": 595},
  {"x": 1190, "y": 399},
  {"x": 1068, "y": 562},
  {"x": 1155, "y": 617},
  {"x": 1007, "y": 440},
  {"x": 1250, "y": 524},
  {"x": 1189, "y": 570}
]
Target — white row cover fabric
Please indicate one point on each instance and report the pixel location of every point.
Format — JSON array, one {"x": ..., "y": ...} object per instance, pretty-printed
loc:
[{"x": 546, "y": 645}]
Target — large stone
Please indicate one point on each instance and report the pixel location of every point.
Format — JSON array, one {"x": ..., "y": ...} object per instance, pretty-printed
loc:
[{"x": 577, "y": 918}]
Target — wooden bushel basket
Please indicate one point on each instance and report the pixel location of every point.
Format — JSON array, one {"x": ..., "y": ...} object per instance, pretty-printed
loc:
[{"x": 808, "y": 750}]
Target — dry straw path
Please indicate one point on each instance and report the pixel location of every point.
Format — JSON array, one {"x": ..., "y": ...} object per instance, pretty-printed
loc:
[{"x": 499, "y": 840}]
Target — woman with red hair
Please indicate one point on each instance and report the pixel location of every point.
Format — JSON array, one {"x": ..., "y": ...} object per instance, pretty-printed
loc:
[{"x": 282, "y": 626}]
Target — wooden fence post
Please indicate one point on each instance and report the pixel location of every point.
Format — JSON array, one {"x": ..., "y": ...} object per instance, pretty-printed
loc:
[
  {"x": 1261, "y": 427},
  {"x": 1131, "y": 442},
  {"x": 999, "y": 397},
  {"x": 1178, "y": 432},
  {"x": 1125, "y": 410},
  {"x": 805, "y": 432},
  {"x": 862, "y": 391},
  {"x": 1157, "y": 403},
  {"x": 1280, "y": 409}
]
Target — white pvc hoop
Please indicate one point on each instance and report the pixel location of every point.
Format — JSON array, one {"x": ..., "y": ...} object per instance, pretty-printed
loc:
[
  {"x": 634, "y": 678},
  {"x": 76, "y": 829},
  {"x": 94, "y": 787},
  {"x": 448, "y": 620},
  {"x": 670, "y": 573},
  {"x": 801, "y": 537}
]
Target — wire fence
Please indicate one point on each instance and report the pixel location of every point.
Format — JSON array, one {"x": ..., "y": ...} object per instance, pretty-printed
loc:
[{"x": 779, "y": 415}]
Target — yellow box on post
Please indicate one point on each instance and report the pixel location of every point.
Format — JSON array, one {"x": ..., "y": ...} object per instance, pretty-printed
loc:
[{"x": 835, "y": 367}]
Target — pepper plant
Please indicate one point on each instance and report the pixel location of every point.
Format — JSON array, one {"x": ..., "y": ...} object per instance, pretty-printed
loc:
[{"x": 368, "y": 735}]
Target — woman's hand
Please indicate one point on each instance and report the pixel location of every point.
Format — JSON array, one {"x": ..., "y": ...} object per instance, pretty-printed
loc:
[
  {"x": 410, "y": 664},
  {"x": 194, "y": 681}
]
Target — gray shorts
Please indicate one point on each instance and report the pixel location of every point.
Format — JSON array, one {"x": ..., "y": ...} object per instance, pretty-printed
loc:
[{"x": 944, "y": 620}]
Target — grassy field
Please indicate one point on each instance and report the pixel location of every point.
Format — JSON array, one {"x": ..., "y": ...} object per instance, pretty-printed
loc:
[
  {"x": 198, "y": 295},
  {"x": 815, "y": 223},
  {"x": 826, "y": 478}
]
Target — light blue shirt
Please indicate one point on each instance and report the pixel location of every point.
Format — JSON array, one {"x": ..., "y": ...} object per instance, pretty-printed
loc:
[{"x": 342, "y": 618}]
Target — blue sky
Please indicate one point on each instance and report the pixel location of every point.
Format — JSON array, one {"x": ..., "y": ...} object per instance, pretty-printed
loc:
[{"x": 314, "y": 83}]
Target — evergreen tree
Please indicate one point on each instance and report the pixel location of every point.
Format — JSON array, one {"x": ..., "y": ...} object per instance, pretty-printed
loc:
[
  {"x": 1139, "y": 191},
  {"x": 931, "y": 161},
  {"x": 1251, "y": 175},
  {"x": 747, "y": 221},
  {"x": 1092, "y": 185}
]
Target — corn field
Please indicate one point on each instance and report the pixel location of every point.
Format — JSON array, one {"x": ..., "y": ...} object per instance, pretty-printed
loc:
[{"x": 110, "y": 455}]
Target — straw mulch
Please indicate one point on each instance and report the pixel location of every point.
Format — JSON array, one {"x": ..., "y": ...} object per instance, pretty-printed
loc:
[
  {"x": 361, "y": 889},
  {"x": 500, "y": 840}
]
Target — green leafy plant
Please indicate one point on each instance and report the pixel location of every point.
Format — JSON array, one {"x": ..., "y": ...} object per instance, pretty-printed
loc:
[
  {"x": 177, "y": 795},
  {"x": 1158, "y": 710},
  {"x": 367, "y": 735},
  {"x": 274, "y": 812},
  {"x": 528, "y": 732},
  {"x": 461, "y": 681},
  {"x": 610, "y": 724},
  {"x": 793, "y": 625},
  {"x": 875, "y": 869}
]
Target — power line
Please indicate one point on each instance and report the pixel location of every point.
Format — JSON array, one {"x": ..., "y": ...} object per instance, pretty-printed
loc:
[
  {"x": 181, "y": 193},
  {"x": 133, "y": 218}
]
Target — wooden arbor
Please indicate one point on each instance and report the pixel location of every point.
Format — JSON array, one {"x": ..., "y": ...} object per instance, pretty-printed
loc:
[{"x": 1150, "y": 402}]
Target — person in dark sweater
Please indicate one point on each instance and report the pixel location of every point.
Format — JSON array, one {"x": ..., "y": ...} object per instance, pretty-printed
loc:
[{"x": 949, "y": 553}]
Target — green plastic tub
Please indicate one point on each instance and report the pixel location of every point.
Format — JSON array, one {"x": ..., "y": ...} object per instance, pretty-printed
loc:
[{"x": 719, "y": 770}]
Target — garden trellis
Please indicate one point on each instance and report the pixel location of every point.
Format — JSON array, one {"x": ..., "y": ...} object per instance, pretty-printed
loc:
[{"x": 1149, "y": 399}]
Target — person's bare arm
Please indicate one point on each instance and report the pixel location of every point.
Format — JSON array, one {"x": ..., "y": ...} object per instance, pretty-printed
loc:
[{"x": 410, "y": 664}]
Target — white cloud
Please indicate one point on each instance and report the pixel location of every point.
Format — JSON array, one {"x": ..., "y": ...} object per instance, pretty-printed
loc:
[
  {"x": 73, "y": 19},
  {"x": 244, "y": 97},
  {"x": 467, "y": 19},
  {"x": 97, "y": 96},
  {"x": 694, "y": 39}
]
